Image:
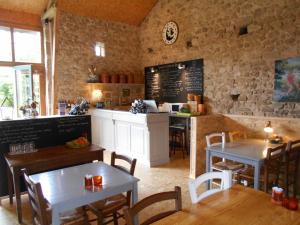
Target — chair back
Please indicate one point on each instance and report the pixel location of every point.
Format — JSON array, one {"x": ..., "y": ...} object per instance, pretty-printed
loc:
[
  {"x": 131, "y": 162},
  {"x": 130, "y": 213},
  {"x": 292, "y": 160},
  {"x": 130, "y": 170},
  {"x": 37, "y": 201},
  {"x": 273, "y": 164},
  {"x": 236, "y": 135},
  {"x": 226, "y": 182},
  {"x": 211, "y": 137}
]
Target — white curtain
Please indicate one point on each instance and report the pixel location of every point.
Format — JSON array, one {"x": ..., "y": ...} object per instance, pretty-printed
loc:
[{"x": 49, "y": 22}]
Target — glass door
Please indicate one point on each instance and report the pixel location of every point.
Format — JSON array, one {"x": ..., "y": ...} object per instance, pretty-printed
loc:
[{"x": 24, "y": 89}]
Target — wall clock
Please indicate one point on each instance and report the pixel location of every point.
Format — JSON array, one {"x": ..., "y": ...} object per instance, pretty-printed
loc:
[{"x": 170, "y": 32}]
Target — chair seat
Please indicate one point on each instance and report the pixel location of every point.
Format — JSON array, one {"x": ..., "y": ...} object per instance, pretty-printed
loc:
[
  {"x": 110, "y": 204},
  {"x": 228, "y": 165}
]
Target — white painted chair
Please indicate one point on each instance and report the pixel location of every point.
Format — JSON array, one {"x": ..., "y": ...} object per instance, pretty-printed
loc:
[
  {"x": 223, "y": 165},
  {"x": 226, "y": 182},
  {"x": 215, "y": 135}
]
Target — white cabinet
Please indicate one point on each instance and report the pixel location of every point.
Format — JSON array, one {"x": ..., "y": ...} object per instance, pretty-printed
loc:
[
  {"x": 122, "y": 137},
  {"x": 141, "y": 136}
]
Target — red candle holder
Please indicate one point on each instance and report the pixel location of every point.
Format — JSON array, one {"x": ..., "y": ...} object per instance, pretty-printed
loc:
[{"x": 97, "y": 181}]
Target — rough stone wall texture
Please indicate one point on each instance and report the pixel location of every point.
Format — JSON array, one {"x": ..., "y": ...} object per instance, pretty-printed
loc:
[
  {"x": 209, "y": 29},
  {"x": 116, "y": 95},
  {"x": 76, "y": 38}
]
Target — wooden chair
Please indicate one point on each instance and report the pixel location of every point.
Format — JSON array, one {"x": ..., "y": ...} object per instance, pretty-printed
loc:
[
  {"x": 270, "y": 171},
  {"x": 224, "y": 164},
  {"x": 226, "y": 182},
  {"x": 291, "y": 167},
  {"x": 236, "y": 135},
  {"x": 177, "y": 133},
  {"x": 41, "y": 212},
  {"x": 130, "y": 213},
  {"x": 110, "y": 206}
]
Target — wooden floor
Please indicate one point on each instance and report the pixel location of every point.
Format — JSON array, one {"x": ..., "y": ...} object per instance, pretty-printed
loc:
[{"x": 152, "y": 180}]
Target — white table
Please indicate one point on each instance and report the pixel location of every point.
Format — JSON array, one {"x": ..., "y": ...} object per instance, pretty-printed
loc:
[
  {"x": 248, "y": 151},
  {"x": 64, "y": 188}
]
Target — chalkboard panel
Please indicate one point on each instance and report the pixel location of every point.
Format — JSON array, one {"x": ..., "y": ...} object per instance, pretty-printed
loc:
[
  {"x": 172, "y": 82},
  {"x": 44, "y": 132}
]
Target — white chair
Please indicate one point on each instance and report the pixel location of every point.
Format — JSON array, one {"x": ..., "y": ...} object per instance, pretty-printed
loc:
[
  {"x": 226, "y": 182},
  {"x": 222, "y": 165},
  {"x": 215, "y": 135}
]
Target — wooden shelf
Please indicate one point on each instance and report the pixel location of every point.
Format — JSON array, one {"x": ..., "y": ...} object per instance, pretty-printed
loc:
[{"x": 114, "y": 83}]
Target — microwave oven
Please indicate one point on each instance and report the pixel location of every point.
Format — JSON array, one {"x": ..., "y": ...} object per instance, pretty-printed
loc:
[{"x": 175, "y": 107}]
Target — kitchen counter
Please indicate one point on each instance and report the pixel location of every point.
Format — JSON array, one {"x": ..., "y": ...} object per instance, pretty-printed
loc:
[{"x": 141, "y": 136}]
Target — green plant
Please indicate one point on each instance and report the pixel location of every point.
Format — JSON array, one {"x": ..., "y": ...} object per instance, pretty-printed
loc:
[{"x": 6, "y": 92}]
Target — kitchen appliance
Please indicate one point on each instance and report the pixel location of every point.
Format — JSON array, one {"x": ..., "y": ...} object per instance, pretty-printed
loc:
[{"x": 176, "y": 107}]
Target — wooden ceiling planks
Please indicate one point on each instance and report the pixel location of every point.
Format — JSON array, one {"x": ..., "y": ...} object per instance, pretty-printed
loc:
[
  {"x": 130, "y": 12},
  {"x": 27, "y": 6}
]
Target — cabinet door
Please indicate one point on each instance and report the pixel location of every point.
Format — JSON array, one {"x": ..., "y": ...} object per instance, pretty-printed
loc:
[
  {"x": 106, "y": 130},
  {"x": 122, "y": 137},
  {"x": 138, "y": 142},
  {"x": 96, "y": 130}
]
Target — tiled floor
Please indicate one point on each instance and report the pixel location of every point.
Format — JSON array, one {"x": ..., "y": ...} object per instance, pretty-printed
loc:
[{"x": 152, "y": 180}]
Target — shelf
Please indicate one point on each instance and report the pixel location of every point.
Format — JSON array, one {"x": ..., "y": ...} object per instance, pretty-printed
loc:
[{"x": 133, "y": 84}]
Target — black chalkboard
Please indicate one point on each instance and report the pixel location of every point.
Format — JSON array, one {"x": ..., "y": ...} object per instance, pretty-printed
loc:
[
  {"x": 172, "y": 82},
  {"x": 44, "y": 132}
]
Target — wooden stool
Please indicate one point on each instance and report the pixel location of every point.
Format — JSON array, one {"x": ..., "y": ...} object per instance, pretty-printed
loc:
[{"x": 177, "y": 132}]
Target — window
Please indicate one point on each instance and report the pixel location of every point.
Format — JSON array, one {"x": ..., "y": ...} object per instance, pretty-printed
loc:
[
  {"x": 100, "y": 49},
  {"x": 27, "y": 45},
  {"x": 18, "y": 87},
  {"x": 21, "y": 69},
  {"x": 5, "y": 44}
]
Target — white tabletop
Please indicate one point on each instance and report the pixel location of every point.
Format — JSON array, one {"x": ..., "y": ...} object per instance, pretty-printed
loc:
[
  {"x": 64, "y": 188},
  {"x": 253, "y": 149}
]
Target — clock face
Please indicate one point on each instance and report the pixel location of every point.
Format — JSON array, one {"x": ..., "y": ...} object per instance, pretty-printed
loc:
[{"x": 170, "y": 32}]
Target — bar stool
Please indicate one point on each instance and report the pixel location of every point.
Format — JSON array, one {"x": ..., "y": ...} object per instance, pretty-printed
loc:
[{"x": 177, "y": 133}]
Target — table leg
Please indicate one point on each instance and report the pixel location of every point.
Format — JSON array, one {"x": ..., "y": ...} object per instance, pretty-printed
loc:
[
  {"x": 10, "y": 185},
  {"x": 16, "y": 178},
  {"x": 55, "y": 217},
  {"x": 135, "y": 200},
  {"x": 256, "y": 175}
]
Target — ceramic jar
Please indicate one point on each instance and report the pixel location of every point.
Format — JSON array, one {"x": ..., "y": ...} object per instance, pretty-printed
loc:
[
  {"x": 105, "y": 78},
  {"x": 115, "y": 78},
  {"x": 123, "y": 78},
  {"x": 130, "y": 78}
]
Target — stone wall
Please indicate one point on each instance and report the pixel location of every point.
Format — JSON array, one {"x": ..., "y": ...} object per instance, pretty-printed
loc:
[
  {"x": 209, "y": 29},
  {"x": 76, "y": 38}
]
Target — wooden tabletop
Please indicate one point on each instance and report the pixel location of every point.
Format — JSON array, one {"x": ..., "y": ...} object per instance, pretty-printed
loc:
[
  {"x": 46, "y": 154},
  {"x": 238, "y": 205}
]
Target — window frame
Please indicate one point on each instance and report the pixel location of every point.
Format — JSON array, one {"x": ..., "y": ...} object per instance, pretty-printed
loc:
[
  {"x": 40, "y": 67},
  {"x": 17, "y": 26}
]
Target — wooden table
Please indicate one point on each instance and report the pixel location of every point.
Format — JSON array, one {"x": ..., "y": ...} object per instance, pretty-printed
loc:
[
  {"x": 237, "y": 205},
  {"x": 248, "y": 151},
  {"x": 64, "y": 188},
  {"x": 45, "y": 159}
]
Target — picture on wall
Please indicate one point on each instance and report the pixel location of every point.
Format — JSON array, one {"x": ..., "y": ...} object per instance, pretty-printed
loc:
[{"x": 287, "y": 80}]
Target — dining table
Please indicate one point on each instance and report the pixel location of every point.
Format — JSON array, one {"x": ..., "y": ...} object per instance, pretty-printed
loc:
[
  {"x": 45, "y": 159},
  {"x": 64, "y": 189},
  {"x": 237, "y": 205},
  {"x": 247, "y": 151}
]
